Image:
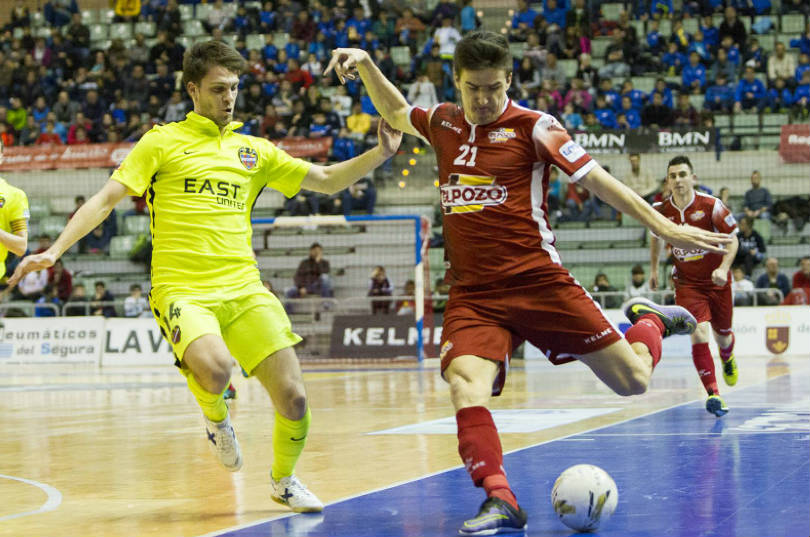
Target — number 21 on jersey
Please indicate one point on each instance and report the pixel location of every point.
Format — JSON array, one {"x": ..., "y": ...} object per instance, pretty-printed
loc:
[{"x": 462, "y": 159}]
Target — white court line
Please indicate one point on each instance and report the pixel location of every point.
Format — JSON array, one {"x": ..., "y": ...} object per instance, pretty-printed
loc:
[
  {"x": 394, "y": 485},
  {"x": 54, "y": 497}
]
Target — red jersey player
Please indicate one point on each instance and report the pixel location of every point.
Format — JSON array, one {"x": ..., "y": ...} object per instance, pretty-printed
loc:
[
  {"x": 508, "y": 284},
  {"x": 702, "y": 279}
]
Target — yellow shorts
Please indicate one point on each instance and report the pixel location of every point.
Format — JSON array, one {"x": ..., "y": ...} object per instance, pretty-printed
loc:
[{"x": 250, "y": 320}]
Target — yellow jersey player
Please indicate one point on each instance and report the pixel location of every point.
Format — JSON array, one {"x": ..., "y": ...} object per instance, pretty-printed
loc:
[
  {"x": 13, "y": 220},
  {"x": 201, "y": 179}
]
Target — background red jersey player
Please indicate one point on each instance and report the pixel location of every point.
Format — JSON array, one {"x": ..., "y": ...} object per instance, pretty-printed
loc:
[
  {"x": 702, "y": 278},
  {"x": 508, "y": 282}
]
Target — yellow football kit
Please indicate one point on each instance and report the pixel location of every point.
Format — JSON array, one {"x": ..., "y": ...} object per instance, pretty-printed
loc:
[
  {"x": 13, "y": 216},
  {"x": 200, "y": 188}
]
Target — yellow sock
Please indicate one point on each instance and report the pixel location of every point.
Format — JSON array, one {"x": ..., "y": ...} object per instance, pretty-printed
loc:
[
  {"x": 289, "y": 438},
  {"x": 212, "y": 404}
]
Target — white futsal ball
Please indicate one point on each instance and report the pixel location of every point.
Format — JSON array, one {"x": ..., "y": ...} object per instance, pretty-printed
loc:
[{"x": 584, "y": 497}]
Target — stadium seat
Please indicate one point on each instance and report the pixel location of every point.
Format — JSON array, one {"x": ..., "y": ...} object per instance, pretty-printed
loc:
[
  {"x": 611, "y": 12},
  {"x": 644, "y": 83},
  {"x": 746, "y": 124},
  {"x": 401, "y": 55},
  {"x": 717, "y": 19},
  {"x": 202, "y": 11},
  {"x": 186, "y": 11},
  {"x": 254, "y": 41},
  {"x": 253, "y": 5},
  {"x": 747, "y": 23},
  {"x": 763, "y": 227},
  {"x": 641, "y": 32},
  {"x": 697, "y": 101},
  {"x": 121, "y": 30},
  {"x": 769, "y": 142},
  {"x": 98, "y": 32},
  {"x": 193, "y": 28},
  {"x": 121, "y": 245},
  {"x": 39, "y": 208},
  {"x": 767, "y": 42},
  {"x": 52, "y": 225},
  {"x": 774, "y": 121},
  {"x": 106, "y": 16},
  {"x": 280, "y": 39},
  {"x": 136, "y": 224},
  {"x": 89, "y": 16},
  {"x": 37, "y": 19},
  {"x": 792, "y": 23},
  {"x": 43, "y": 31},
  {"x": 665, "y": 27},
  {"x": 599, "y": 46},
  {"x": 569, "y": 67},
  {"x": 690, "y": 25},
  {"x": 184, "y": 41},
  {"x": 146, "y": 28},
  {"x": 517, "y": 49},
  {"x": 17, "y": 33},
  {"x": 722, "y": 121}
]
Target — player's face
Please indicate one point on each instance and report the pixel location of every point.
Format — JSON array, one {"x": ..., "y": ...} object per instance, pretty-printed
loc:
[
  {"x": 681, "y": 179},
  {"x": 215, "y": 96},
  {"x": 483, "y": 93}
]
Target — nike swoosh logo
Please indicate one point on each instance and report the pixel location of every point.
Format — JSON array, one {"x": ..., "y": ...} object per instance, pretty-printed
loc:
[
  {"x": 188, "y": 152},
  {"x": 635, "y": 309},
  {"x": 294, "y": 439}
]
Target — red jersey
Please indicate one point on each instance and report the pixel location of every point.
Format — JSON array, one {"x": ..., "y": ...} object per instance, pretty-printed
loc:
[
  {"x": 695, "y": 266},
  {"x": 494, "y": 185}
]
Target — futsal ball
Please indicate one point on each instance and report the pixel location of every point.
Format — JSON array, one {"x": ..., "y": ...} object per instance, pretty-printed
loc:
[{"x": 584, "y": 497}]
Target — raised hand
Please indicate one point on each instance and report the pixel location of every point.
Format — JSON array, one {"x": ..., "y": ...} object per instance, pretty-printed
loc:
[
  {"x": 344, "y": 61},
  {"x": 690, "y": 237},
  {"x": 30, "y": 263}
]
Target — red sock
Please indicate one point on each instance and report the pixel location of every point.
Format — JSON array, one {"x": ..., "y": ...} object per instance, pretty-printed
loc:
[
  {"x": 480, "y": 450},
  {"x": 648, "y": 330},
  {"x": 725, "y": 354},
  {"x": 704, "y": 363}
]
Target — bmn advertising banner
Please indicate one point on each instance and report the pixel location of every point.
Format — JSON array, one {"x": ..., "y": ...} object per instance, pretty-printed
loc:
[{"x": 647, "y": 141}]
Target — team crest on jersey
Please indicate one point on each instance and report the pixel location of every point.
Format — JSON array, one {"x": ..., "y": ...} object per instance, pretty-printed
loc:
[
  {"x": 248, "y": 157},
  {"x": 697, "y": 215},
  {"x": 502, "y": 135},
  {"x": 471, "y": 193}
]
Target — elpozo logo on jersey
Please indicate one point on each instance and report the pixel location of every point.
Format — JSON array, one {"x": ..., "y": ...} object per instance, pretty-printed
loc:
[
  {"x": 248, "y": 157},
  {"x": 501, "y": 135},
  {"x": 471, "y": 193}
]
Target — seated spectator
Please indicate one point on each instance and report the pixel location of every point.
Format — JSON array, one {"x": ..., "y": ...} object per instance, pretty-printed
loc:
[
  {"x": 754, "y": 56},
  {"x": 97, "y": 242},
  {"x": 631, "y": 115},
  {"x": 674, "y": 60},
  {"x": 801, "y": 96},
  {"x": 719, "y": 95},
  {"x": 656, "y": 114},
  {"x": 685, "y": 114},
  {"x": 32, "y": 285},
  {"x": 77, "y": 303},
  {"x": 640, "y": 180},
  {"x": 780, "y": 99},
  {"x": 733, "y": 27},
  {"x": 752, "y": 249},
  {"x": 615, "y": 61},
  {"x": 742, "y": 289},
  {"x": 781, "y": 64},
  {"x": 362, "y": 195},
  {"x": 48, "y": 297},
  {"x": 601, "y": 284},
  {"x": 305, "y": 203},
  {"x": 638, "y": 285},
  {"x": 59, "y": 277},
  {"x": 102, "y": 303},
  {"x": 43, "y": 243},
  {"x": 710, "y": 34},
  {"x": 578, "y": 96},
  {"x": 136, "y": 305},
  {"x": 30, "y": 133},
  {"x": 724, "y": 195},
  {"x": 312, "y": 276},
  {"x": 655, "y": 41},
  {"x": 700, "y": 46},
  {"x": 750, "y": 93},
  {"x": 723, "y": 66},
  {"x": 694, "y": 75},
  {"x": 48, "y": 136},
  {"x": 757, "y": 201},
  {"x": 571, "y": 119},
  {"x": 554, "y": 192},
  {"x": 801, "y": 279},
  {"x": 605, "y": 114},
  {"x": 407, "y": 305},
  {"x": 772, "y": 279},
  {"x": 379, "y": 285},
  {"x": 575, "y": 202}
]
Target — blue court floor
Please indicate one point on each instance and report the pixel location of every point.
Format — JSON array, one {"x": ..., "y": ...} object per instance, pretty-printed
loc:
[{"x": 680, "y": 472}]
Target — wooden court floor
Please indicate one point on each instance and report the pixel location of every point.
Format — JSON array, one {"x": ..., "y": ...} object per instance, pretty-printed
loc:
[{"x": 121, "y": 452}]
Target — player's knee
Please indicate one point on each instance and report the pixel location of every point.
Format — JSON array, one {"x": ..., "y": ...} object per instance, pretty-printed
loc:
[
  {"x": 218, "y": 373},
  {"x": 294, "y": 401}
]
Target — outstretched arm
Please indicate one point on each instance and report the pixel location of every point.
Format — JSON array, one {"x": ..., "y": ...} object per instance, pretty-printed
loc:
[
  {"x": 386, "y": 97},
  {"x": 87, "y": 218},
  {"x": 334, "y": 178},
  {"x": 618, "y": 195}
]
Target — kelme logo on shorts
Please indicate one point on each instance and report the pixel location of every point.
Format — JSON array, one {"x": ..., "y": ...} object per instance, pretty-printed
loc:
[
  {"x": 248, "y": 157},
  {"x": 471, "y": 193}
]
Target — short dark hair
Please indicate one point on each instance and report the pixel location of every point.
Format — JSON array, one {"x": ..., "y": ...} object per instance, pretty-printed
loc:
[
  {"x": 637, "y": 269},
  {"x": 482, "y": 50},
  {"x": 201, "y": 57},
  {"x": 135, "y": 286},
  {"x": 101, "y": 283},
  {"x": 680, "y": 159},
  {"x": 315, "y": 245}
]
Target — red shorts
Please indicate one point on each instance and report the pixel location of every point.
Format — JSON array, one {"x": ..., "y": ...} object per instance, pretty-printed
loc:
[
  {"x": 547, "y": 308},
  {"x": 712, "y": 304}
]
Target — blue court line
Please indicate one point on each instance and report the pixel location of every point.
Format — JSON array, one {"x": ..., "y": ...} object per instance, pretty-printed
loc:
[{"x": 682, "y": 484}]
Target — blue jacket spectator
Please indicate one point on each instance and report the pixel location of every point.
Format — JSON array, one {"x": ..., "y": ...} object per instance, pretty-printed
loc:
[
  {"x": 632, "y": 119},
  {"x": 750, "y": 92},
  {"x": 732, "y": 51},
  {"x": 554, "y": 14},
  {"x": 612, "y": 97},
  {"x": 606, "y": 116},
  {"x": 779, "y": 96},
  {"x": 49, "y": 297},
  {"x": 761, "y": 7},
  {"x": 719, "y": 96},
  {"x": 804, "y": 65},
  {"x": 636, "y": 96},
  {"x": 666, "y": 93},
  {"x": 524, "y": 15},
  {"x": 801, "y": 95},
  {"x": 673, "y": 60},
  {"x": 723, "y": 66},
  {"x": 710, "y": 34},
  {"x": 700, "y": 46},
  {"x": 57, "y": 13},
  {"x": 772, "y": 278},
  {"x": 655, "y": 41},
  {"x": 694, "y": 74}
]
